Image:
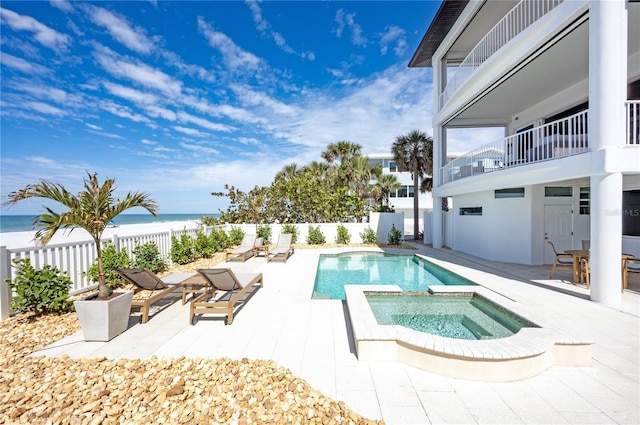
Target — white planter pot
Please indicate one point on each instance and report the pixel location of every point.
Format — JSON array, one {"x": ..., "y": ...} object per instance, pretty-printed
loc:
[{"x": 103, "y": 320}]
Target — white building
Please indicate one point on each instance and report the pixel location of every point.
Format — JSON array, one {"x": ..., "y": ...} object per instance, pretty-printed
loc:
[
  {"x": 401, "y": 200},
  {"x": 563, "y": 80}
]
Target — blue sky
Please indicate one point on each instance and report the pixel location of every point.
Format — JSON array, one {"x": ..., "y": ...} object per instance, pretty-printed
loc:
[{"x": 178, "y": 99}]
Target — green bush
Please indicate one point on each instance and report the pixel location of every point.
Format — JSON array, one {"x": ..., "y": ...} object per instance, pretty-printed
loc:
[
  {"x": 39, "y": 291},
  {"x": 369, "y": 235},
  {"x": 235, "y": 236},
  {"x": 315, "y": 236},
  {"x": 292, "y": 229},
  {"x": 202, "y": 245},
  {"x": 183, "y": 249},
  {"x": 111, "y": 260},
  {"x": 218, "y": 240},
  {"x": 264, "y": 232},
  {"x": 147, "y": 256},
  {"x": 395, "y": 236},
  {"x": 343, "y": 235},
  {"x": 207, "y": 220}
]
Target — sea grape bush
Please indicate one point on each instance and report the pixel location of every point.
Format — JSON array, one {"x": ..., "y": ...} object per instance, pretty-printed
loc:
[
  {"x": 41, "y": 291},
  {"x": 343, "y": 235},
  {"x": 183, "y": 249},
  {"x": 203, "y": 246},
  {"x": 291, "y": 229},
  {"x": 111, "y": 260},
  {"x": 147, "y": 256},
  {"x": 264, "y": 232},
  {"x": 235, "y": 236},
  {"x": 369, "y": 235},
  {"x": 315, "y": 236}
]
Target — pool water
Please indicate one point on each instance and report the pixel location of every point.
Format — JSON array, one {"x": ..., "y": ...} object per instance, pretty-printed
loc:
[
  {"x": 452, "y": 316},
  {"x": 409, "y": 272}
]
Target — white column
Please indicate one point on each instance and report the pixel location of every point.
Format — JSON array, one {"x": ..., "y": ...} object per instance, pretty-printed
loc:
[
  {"x": 607, "y": 93},
  {"x": 439, "y": 146}
]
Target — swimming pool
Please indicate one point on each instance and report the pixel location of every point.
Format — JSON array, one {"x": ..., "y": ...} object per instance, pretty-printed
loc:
[
  {"x": 460, "y": 316},
  {"x": 410, "y": 272}
]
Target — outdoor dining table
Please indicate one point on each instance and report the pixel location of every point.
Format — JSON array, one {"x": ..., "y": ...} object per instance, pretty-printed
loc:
[{"x": 579, "y": 254}]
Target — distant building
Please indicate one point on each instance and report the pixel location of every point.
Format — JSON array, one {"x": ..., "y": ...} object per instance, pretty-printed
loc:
[
  {"x": 563, "y": 80},
  {"x": 402, "y": 199}
]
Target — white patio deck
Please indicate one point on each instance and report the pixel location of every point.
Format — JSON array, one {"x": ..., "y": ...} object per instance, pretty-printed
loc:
[{"x": 312, "y": 338}]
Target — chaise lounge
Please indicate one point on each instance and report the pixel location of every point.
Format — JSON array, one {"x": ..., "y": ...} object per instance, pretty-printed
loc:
[
  {"x": 146, "y": 280},
  {"x": 283, "y": 249},
  {"x": 236, "y": 290},
  {"x": 245, "y": 248}
]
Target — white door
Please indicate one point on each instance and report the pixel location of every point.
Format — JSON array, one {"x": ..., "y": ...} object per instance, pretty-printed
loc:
[{"x": 558, "y": 228}]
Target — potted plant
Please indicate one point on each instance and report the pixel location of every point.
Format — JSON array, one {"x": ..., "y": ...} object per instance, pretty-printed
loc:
[{"x": 92, "y": 210}]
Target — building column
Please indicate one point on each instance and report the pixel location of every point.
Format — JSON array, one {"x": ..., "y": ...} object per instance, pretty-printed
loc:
[
  {"x": 439, "y": 146},
  {"x": 607, "y": 94}
]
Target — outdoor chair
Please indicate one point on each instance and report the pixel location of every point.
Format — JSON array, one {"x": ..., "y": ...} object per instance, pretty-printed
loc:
[
  {"x": 245, "y": 248},
  {"x": 235, "y": 289},
  {"x": 585, "y": 271},
  {"x": 283, "y": 249},
  {"x": 146, "y": 280},
  {"x": 561, "y": 260}
]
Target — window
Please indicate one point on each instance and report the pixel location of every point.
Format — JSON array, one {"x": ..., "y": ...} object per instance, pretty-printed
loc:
[
  {"x": 471, "y": 211},
  {"x": 558, "y": 191},
  {"x": 631, "y": 212},
  {"x": 513, "y": 192},
  {"x": 410, "y": 191},
  {"x": 392, "y": 167},
  {"x": 585, "y": 196},
  {"x": 402, "y": 192}
]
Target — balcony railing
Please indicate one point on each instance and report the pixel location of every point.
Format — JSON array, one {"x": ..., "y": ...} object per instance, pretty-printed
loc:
[
  {"x": 633, "y": 122},
  {"x": 558, "y": 139},
  {"x": 516, "y": 21}
]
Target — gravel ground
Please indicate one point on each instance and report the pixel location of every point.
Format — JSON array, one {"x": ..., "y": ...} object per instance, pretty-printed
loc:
[{"x": 61, "y": 390}]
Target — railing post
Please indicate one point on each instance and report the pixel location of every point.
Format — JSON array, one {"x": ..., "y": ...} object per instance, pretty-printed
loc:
[
  {"x": 116, "y": 242},
  {"x": 5, "y": 291}
]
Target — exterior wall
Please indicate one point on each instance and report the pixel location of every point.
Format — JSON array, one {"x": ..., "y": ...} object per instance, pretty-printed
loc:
[{"x": 501, "y": 233}]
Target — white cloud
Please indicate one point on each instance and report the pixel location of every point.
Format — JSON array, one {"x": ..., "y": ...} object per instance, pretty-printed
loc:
[
  {"x": 44, "y": 35},
  {"x": 190, "y": 131},
  {"x": 22, "y": 65},
  {"x": 121, "y": 30},
  {"x": 233, "y": 55},
  {"x": 93, "y": 126},
  {"x": 44, "y": 108},
  {"x": 133, "y": 95},
  {"x": 347, "y": 20},
  {"x": 199, "y": 148},
  {"x": 63, "y": 5},
  {"x": 393, "y": 36},
  {"x": 188, "y": 118}
]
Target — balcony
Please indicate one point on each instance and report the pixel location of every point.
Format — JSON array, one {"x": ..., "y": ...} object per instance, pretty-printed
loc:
[
  {"x": 521, "y": 17},
  {"x": 557, "y": 139}
]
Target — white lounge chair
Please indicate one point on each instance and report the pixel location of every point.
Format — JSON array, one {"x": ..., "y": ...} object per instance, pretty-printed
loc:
[
  {"x": 283, "y": 249},
  {"x": 245, "y": 248}
]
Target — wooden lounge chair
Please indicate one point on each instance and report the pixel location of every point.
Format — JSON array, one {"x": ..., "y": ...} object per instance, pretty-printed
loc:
[
  {"x": 245, "y": 248},
  {"x": 561, "y": 260},
  {"x": 146, "y": 280},
  {"x": 283, "y": 249},
  {"x": 235, "y": 290}
]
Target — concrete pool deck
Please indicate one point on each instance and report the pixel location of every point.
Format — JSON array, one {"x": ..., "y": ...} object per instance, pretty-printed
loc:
[{"x": 313, "y": 339}]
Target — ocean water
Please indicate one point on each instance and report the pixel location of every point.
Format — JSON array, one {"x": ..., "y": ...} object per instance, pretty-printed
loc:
[{"x": 22, "y": 223}]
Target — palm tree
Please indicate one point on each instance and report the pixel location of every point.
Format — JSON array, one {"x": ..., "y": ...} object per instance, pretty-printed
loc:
[
  {"x": 414, "y": 153},
  {"x": 385, "y": 184},
  {"x": 91, "y": 210}
]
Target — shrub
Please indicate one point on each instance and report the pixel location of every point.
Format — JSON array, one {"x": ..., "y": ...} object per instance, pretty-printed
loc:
[
  {"x": 395, "y": 236},
  {"x": 235, "y": 236},
  {"x": 315, "y": 236},
  {"x": 147, "y": 256},
  {"x": 343, "y": 235},
  {"x": 218, "y": 240},
  {"x": 208, "y": 220},
  {"x": 202, "y": 246},
  {"x": 369, "y": 235},
  {"x": 183, "y": 249},
  {"x": 292, "y": 229},
  {"x": 111, "y": 260},
  {"x": 39, "y": 291},
  {"x": 264, "y": 232}
]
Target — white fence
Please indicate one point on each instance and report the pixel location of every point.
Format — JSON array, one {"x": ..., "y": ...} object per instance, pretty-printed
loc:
[{"x": 75, "y": 258}]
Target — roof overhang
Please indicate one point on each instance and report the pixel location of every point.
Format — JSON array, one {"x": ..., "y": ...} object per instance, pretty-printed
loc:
[{"x": 446, "y": 16}]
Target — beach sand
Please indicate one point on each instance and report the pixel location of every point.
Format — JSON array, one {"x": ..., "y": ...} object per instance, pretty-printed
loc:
[{"x": 14, "y": 240}]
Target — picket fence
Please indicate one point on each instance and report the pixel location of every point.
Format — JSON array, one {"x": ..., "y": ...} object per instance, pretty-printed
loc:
[{"x": 75, "y": 258}]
